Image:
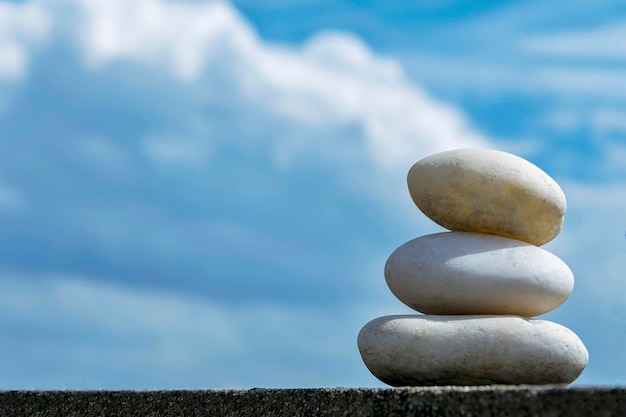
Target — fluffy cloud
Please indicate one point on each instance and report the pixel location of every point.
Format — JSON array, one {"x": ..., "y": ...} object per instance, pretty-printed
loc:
[
  {"x": 333, "y": 80},
  {"x": 151, "y": 168},
  {"x": 218, "y": 184},
  {"x": 22, "y": 25},
  {"x": 183, "y": 37},
  {"x": 99, "y": 336}
]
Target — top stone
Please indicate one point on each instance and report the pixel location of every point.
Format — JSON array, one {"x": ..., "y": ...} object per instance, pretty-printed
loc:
[{"x": 488, "y": 191}]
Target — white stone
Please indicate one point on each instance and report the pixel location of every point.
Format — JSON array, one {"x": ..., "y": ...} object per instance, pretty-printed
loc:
[
  {"x": 488, "y": 191},
  {"x": 470, "y": 350},
  {"x": 475, "y": 273}
]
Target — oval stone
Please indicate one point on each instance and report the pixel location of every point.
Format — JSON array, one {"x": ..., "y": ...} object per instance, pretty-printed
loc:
[
  {"x": 488, "y": 191},
  {"x": 475, "y": 273},
  {"x": 470, "y": 350}
]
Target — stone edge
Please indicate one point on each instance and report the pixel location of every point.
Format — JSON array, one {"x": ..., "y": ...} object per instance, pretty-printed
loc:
[{"x": 261, "y": 402}]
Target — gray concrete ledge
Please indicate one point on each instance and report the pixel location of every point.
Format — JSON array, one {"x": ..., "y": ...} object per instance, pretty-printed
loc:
[{"x": 484, "y": 401}]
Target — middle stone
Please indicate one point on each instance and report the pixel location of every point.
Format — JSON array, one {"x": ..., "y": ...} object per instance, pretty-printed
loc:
[{"x": 475, "y": 273}]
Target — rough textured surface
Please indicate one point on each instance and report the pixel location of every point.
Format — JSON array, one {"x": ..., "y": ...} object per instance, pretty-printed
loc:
[
  {"x": 475, "y": 273},
  {"x": 413, "y": 350},
  {"x": 487, "y": 191},
  {"x": 358, "y": 402}
]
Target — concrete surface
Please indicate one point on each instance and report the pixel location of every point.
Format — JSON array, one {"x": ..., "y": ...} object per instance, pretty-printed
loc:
[{"x": 426, "y": 402}]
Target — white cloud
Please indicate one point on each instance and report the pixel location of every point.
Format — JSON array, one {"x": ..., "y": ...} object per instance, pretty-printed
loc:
[
  {"x": 399, "y": 121},
  {"x": 159, "y": 340},
  {"x": 180, "y": 36},
  {"x": 602, "y": 42},
  {"x": 21, "y": 26},
  {"x": 345, "y": 52},
  {"x": 333, "y": 80}
]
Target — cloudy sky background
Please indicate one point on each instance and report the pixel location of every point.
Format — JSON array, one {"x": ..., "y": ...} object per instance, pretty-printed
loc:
[{"x": 202, "y": 194}]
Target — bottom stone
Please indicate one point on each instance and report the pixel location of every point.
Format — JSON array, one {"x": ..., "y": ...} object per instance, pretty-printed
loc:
[{"x": 413, "y": 350}]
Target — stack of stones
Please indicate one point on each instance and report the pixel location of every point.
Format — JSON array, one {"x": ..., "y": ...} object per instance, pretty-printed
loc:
[{"x": 480, "y": 284}]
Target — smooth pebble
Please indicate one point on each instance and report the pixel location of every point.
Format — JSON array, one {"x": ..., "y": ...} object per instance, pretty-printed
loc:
[
  {"x": 474, "y": 273},
  {"x": 488, "y": 191},
  {"x": 470, "y": 350}
]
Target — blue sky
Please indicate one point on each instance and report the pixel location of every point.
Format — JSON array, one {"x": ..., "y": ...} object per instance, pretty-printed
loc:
[{"x": 200, "y": 194}]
